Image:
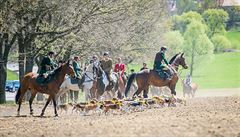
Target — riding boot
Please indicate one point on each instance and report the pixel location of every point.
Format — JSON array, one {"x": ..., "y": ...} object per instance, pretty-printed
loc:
[
  {"x": 109, "y": 79},
  {"x": 79, "y": 82}
]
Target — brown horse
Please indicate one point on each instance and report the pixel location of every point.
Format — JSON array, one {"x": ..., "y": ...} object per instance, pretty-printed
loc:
[
  {"x": 150, "y": 77},
  {"x": 121, "y": 86},
  {"x": 51, "y": 88}
]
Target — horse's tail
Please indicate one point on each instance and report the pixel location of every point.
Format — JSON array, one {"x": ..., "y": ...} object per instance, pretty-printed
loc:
[
  {"x": 129, "y": 83},
  {"x": 18, "y": 95}
]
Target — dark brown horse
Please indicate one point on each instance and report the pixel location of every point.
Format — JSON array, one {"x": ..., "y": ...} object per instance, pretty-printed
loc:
[
  {"x": 150, "y": 77},
  {"x": 52, "y": 88}
]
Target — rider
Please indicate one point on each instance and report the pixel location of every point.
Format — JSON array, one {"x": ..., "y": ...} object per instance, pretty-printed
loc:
[
  {"x": 60, "y": 62},
  {"x": 95, "y": 60},
  {"x": 120, "y": 68},
  {"x": 76, "y": 67},
  {"x": 46, "y": 65},
  {"x": 188, "y": 80},
  {"x": 158, "y": 63},
  {"x": 144, "y": 66},
  {"x": 106, "y": 64},
  {"x": 78, "y": 71}
]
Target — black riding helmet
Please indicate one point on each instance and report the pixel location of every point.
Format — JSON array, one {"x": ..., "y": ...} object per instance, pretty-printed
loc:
[
  {"x": 51, "y": 53},
  {"x": 163, "y": 48},
  {"x": 105, "y": 54}
]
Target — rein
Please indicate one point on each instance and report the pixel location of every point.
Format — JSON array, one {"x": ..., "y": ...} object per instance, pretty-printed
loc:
[
  {"x": 91, "y": 79},
  {"x": 175, "y": 64}
]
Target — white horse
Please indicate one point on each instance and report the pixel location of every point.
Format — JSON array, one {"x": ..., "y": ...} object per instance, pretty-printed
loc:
[{"x": 90, "y": 76}]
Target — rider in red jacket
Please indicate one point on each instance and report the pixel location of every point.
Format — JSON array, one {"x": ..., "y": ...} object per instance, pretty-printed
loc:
[{"x": 120, "y": 68}]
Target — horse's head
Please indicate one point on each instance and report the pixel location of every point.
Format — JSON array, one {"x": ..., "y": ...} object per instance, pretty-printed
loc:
[
  {"x": 67, "y": 67},
  {"x": 180, "y": 60},
  {"x": 95, "y": 69},
  {"x": 98, "y": 69}
]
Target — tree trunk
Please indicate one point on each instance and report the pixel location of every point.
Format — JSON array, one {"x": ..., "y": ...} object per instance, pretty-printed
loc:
[
  {"x": 38, "y": 59},
  {"x": 5, "y": 46},
  {"x": 192, "y": 62},
  {"x": 21, "y": 57},
  {"x": 29, "y": 64},
  {"x": 28, "y": 68},
  {"x": 3, "y": 75},
  {"x": 192, "y": 58}
]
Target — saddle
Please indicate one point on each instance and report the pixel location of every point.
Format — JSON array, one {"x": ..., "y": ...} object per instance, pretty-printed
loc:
[
  {"x": 78, "y": 81},
  {"x": 165, "y": 73},
  {"x": 44, "y": 79}
]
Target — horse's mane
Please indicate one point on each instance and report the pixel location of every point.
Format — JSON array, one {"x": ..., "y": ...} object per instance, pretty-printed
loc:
[
  {"x": 173, "y": 58},
  {"x": 55, "y": 73}
]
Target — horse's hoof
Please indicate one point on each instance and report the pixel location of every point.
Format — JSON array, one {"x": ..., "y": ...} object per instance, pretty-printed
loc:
[
  {"x": 31, "y": 113},
  {"x": 56, "y": 115}
]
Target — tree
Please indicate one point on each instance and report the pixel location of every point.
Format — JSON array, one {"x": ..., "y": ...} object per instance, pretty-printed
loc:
[
  {"x": 185, "y": 6},
  {"x": 121, "y": 27},
  {"x": 174, "y": 41},
  {"x": 196, "y": 42},
  {"x": 234, "y": 16},
  {"x": 216, "y": 21},
  {"x": 180, "y": 22},
  {"x": 7, "y": 39},
  {"x": 220, "y": 43}
]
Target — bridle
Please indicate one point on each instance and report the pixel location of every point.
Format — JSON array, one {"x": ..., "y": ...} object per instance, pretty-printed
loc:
[
  {"x": 175, "y": 67},
  {"x": 93, "y": 72}
]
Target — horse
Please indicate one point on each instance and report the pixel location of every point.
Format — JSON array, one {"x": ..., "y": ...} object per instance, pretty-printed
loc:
[
  {"x": 89, "y": 78},
  {"x": 146, "y": 78},
  {"x": 101, "y": 85},
  {"x": 51, "y": 88},
  {"x": 190, "y": 90},
  {"x": 121, "y": 86}
]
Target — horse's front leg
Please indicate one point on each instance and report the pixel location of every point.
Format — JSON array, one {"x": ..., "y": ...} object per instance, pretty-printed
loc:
[{"x": 48, "y": 101}]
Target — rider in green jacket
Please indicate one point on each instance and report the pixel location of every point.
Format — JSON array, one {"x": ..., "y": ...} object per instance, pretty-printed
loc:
[
  {"x": 159, "y": 66},
  {"x": 76, "y": 67},
  {"x": 47, "y": 63}
]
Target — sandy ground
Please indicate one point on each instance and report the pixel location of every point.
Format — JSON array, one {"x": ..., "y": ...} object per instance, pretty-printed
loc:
[{"x": 203, "y": 116}]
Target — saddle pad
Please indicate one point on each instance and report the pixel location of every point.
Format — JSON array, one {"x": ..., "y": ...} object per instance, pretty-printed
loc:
[
  {"x": 40, "y": 79},
  {"x": 74, "y": 80}
]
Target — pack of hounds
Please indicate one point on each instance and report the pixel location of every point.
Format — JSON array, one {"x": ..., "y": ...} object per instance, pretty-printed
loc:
[{"x": 120, "y": 106}]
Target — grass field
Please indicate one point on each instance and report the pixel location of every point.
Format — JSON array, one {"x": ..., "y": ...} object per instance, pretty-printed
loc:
[
  {"x": 11, "y": 75},
  {"x": 234, "y": 37},
  {"x": 222, "y": 71}
]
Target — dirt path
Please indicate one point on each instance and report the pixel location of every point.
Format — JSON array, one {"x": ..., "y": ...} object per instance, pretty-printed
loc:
[{"x": 205, "y": 116}]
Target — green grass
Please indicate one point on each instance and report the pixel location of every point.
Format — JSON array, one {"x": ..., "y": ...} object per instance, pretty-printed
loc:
[
  {"x": 11, "y": 75},
  {"x": 222, "y": 71},
  {"x": 234, "y": 37}
]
